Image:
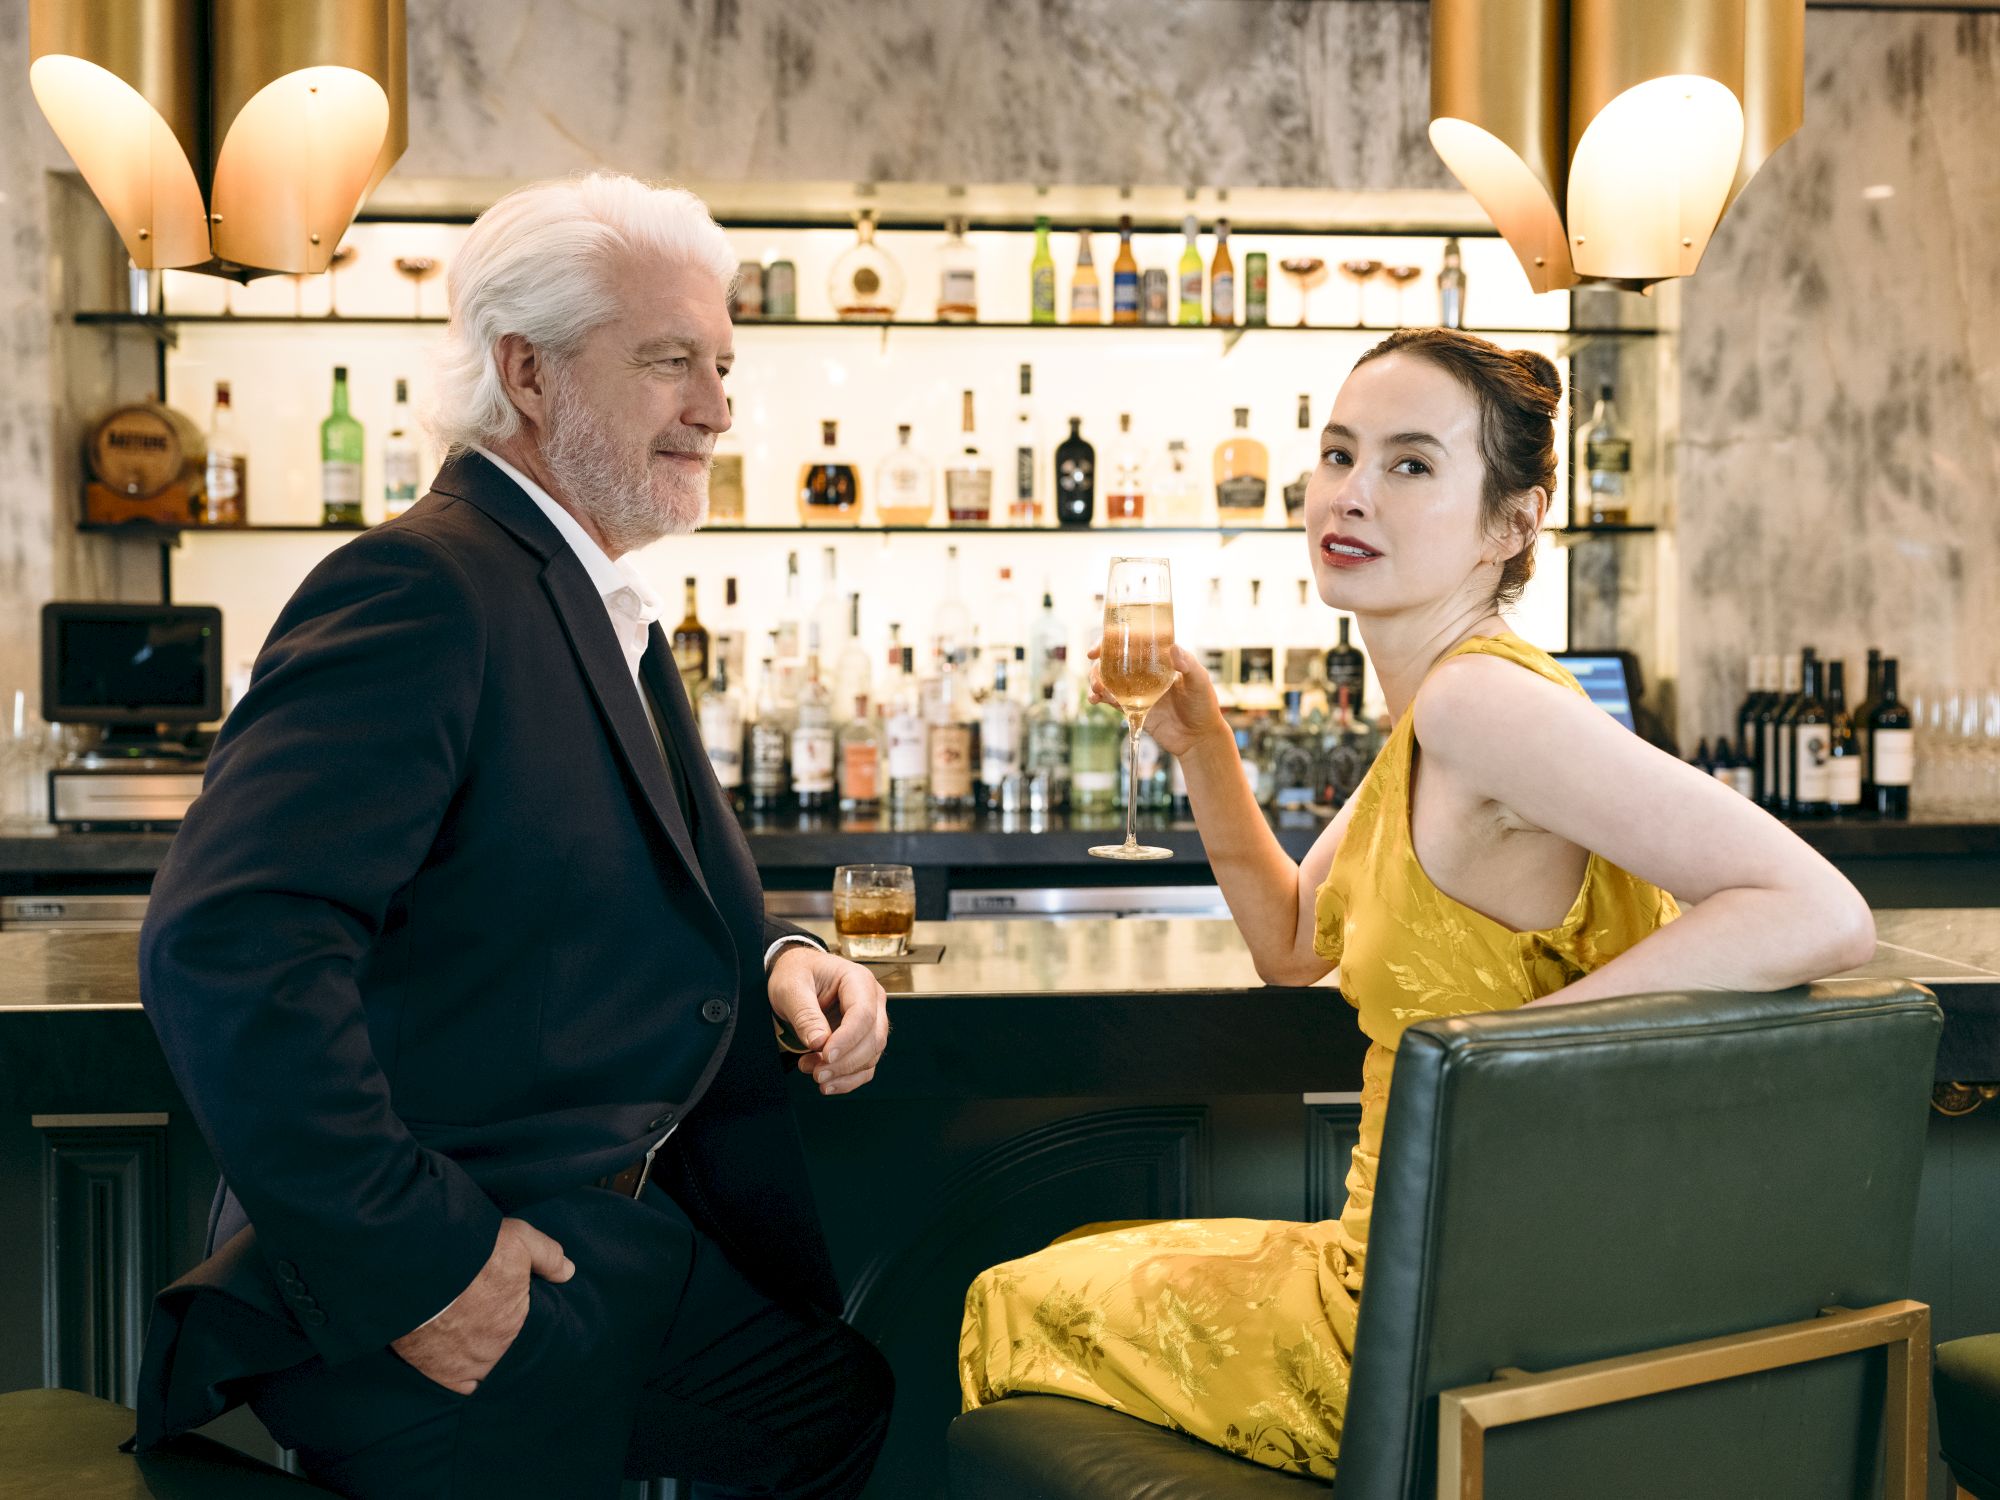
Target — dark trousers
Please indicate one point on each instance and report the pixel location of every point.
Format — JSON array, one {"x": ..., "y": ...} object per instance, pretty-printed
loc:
[{"x": 656, "y": 1360}]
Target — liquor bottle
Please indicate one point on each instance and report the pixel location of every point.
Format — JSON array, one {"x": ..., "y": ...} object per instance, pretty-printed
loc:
[
  {"x": 1000, "y": 747},
  {"x": 1083, "y": 300},
  {"x": 789, "y": 638},
  {"x": 719, "y": 711},
  {"x": 829, "y": 488},
  {"x": 1292, "y": 755},
  {"x": 1451, "y": 287},
  {"x": 1256, "y": 290},
  {"x": 770, "y": 747},
  {"x": 340, "y": 443},
  {"x": 1222, "y": 280},
  {"x": 730, "y": 640},
  {"x": 1125, "y": 277},
  {"x": 1308, "y": 446},
  {"x": 1180, "y": 493},
  {"x": 1607, "y": 464},
  {"x": 1257, "y": 666},
  {"x": 865, "y": 284},
  {"x": 828, "y": 619},
  {"x": 402, "y": 460},
  {"x": 1860, "y": 713},
  {"x": 1042, "y": 277},
  {"x": 905, "y": 490},
  {"x": 1190, "y": 278},
  {"x": 781, "y": 292},
  {"x": 1125, "y": 494},
  {"x": 1347, "y": 670},
  {"x": 1024, "y": 506},
  {"x": 1218, "y": 658},
  {"x": 949, "y": 718},
  {"x": 1076, "y": 478},
  {"x": 1891, "y": 749},
  {"x": 1148, "y": 763},
  {"x": 725, "y": 476},
  {"x": 1048, "y": 647},
  {"x": 1812, "y": 733},
  {"x": 952, "y": 630},
  {"x": 958, "y": 277},
  {"x": 1746, "y": 716},
  {"x": 908, "y": 739},
  {"x": 1008, "y": 629},
  {"x": 968, "y": 480},
  {"x": 690, "y": 643},
  {"x": 851, "y": 670},
  {"x": 1301, "y": 665},
  {"x": 1701, "y": 760},
  {"x": 1730, "y": 768},
  {"x": 858, "y": 750},
  {"x": 812, "y": 738},
  {"x": 1242, "y": 470},
  {"x": 1843, "y": 747},
  {"x": 1096, "y": 737},
  {"x": 1771, "y": 736},
  {"x": 1046, "y": 733},
  {"x": 225, "y": 475}
]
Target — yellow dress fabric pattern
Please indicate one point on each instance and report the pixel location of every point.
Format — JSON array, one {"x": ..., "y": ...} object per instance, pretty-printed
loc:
[{"x": 1240, "y": 1332}]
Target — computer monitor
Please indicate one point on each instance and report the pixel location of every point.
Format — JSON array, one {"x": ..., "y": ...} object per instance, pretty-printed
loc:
[
  {"x": 131, "y": 665},
  {"x": 1609, "y": 678}
]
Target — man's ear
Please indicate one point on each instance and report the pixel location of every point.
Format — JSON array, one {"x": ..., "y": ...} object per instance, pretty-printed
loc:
[{"x": 523, "y": 376}]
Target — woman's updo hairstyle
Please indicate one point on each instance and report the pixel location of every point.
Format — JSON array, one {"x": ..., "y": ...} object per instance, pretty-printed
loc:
[{"x": 1518, "y": 392}]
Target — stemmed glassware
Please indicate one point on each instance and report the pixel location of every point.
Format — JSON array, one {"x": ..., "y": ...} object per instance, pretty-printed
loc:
[
  {"x": 1137, "y": 666},
  {"x": 342, "y": 254},
  {"x": 417, "y": 268},
  {"x": 1360, "y": 272},
  {"x": 1403, "y": 276},
  {"x": 1307, "y": 272}
]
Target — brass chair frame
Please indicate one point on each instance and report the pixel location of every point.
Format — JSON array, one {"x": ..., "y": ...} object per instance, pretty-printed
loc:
[{"x": 1467, "y": 1414}]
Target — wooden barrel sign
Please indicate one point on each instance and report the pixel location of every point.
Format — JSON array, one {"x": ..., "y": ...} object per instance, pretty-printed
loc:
[{"x": 138, "y": 451}]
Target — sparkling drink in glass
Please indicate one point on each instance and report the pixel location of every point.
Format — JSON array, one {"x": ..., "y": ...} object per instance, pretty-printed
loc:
[
  {"x": 1136, "y": 664},
  {"x": 874, "y": 909}
]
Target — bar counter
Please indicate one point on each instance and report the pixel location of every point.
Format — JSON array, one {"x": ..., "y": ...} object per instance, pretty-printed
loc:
[{"x": 1042, "y": 1076}]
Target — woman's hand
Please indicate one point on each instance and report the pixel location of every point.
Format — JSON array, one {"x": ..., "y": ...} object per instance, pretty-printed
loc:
[{"x": 1187, "y": 714}]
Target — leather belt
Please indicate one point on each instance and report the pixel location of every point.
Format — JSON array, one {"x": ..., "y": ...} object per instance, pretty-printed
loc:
[{"x": 632, "y": 1181}]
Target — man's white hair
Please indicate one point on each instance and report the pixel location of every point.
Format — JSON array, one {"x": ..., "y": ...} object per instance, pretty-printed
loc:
[{"x": 536, "y": 264}]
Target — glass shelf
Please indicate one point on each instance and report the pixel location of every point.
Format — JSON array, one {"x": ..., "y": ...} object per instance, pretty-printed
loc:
[
  {"x": 150, "y": 531},
  {"x": 161, "y": 323}
]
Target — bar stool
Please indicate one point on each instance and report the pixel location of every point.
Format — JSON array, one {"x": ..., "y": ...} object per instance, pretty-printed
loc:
[
  {"x": 1968, "y": 1411},
  {"x": 63, "y": 1445}
]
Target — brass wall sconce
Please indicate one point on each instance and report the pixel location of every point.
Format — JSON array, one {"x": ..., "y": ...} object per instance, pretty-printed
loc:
[
  {"x": 233, "y": 137},
  {"x": 1606, "y": 138}
]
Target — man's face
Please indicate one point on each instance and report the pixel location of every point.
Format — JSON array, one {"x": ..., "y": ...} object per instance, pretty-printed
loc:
[{"x": 633, "y": 414}]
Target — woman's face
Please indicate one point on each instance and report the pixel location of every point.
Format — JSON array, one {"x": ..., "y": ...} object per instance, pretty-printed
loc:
[{"x": 1392, "y": 511}]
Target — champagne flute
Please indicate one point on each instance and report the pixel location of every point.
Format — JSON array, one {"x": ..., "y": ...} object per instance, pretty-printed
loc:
[{"x": 1137, "y": 665}]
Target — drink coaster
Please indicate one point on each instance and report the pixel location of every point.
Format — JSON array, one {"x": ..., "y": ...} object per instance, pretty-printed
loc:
[{"x": 916, "y": 953}]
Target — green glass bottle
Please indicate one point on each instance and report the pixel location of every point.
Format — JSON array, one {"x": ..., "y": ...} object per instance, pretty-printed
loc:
[
  {"x": 1096, "y": 745},
  {"x": 1042, "y": 277},
  {"x": 340, "y": 460}
]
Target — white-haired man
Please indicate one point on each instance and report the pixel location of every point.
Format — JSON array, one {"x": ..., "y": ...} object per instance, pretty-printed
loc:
[{"x": 462, "y": 963}]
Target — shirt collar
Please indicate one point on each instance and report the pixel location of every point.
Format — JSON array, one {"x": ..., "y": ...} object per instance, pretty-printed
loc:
[{"x": 607, "y": 576}]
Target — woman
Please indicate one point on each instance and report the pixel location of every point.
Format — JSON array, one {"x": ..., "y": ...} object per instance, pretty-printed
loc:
[{"x": 1512, "y": 845}]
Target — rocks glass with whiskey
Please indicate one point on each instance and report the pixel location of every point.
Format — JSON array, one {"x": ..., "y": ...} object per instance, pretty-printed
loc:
[
  {"x": 1136, "y": 663},
  {"x": 874, "y": 909}
]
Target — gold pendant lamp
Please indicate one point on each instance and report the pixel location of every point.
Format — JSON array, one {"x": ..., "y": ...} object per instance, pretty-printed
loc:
[
  {"x": 1606, "y": 138},
  {"x": 235, "y": 137}
]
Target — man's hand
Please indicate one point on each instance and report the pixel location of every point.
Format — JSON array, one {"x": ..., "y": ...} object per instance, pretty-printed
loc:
[
  {"x": 838, "y": 1011},
  {"x": 462, "y": 1343}
]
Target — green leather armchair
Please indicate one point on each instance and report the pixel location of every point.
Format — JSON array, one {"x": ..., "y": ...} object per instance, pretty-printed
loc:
[{"x": 1690, "y": 1216}]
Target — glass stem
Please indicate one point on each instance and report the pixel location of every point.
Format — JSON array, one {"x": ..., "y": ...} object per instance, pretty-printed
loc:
[{"x": 1132, "y": 783}]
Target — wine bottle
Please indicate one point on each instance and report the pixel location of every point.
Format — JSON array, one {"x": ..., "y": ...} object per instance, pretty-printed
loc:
[
  {"x": 1871, "y": 694},
  {"x": 690, "y": 642},
  {"x": 340, "y": 443},
  {"x": 1891, "y": 747},
  {"x": 1843, "y": 749},
  {"x": 1812, "y": 736},
  {"x": 1770, "y": 775},
  {"x": 1042, "y": 277}
]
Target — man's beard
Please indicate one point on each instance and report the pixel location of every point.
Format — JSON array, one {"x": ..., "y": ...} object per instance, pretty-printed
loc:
[{"x": 614, "y": 485}]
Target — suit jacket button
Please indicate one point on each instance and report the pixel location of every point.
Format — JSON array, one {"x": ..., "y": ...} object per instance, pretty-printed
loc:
[
  {"x": 313, "y": 1316},
  {"x": 659, "y": 1124},
  {"x": 287, "y": 1270},
  {"x": 715, "y": 1012}
]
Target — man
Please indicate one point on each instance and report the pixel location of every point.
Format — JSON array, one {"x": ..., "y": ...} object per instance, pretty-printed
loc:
[{"x": 461, "y": 959}]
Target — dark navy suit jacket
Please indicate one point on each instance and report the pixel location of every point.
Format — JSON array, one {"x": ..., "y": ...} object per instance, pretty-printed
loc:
[{"x": 436, "y": 941}]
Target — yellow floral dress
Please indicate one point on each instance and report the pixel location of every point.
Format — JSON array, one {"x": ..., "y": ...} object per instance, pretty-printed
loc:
[{"x": 1240, "y": 1332}]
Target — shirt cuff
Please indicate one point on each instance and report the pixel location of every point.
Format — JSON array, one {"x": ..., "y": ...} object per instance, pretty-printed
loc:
[{"x": 794, "y": 940}]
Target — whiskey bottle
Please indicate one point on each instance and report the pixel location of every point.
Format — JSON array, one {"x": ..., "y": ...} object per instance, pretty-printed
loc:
[
  {"x": 812, "y": 739},
  {"x": 1347, "y": 670},
  {"x": 1242, "y": 471},
  {"x": 1308, "y": 446},
  {"x": 968, "y": 481},
  {"x": 865, "y": 284},
  {"x": 829, "y": 489},
  {"x": 725, "y": 477},
  {"x": 905, "y": 489},
  {"x": 1607, "y": 463},
  {"x": 690, "y": 642},
  {"x": 1125, "y": 495},
  {"x": 770, "y": 747},
  {"x": 958, "y": 277},
  {"x": 858, "y": 749},
  {"x": 225, "y": 477}
]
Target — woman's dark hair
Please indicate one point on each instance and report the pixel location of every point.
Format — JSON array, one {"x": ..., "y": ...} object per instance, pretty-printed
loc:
[{"x": 1518, "y": 392}]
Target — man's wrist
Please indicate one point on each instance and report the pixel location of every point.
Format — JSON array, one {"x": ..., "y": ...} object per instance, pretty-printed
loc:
[{"x": 790, "y": 940}]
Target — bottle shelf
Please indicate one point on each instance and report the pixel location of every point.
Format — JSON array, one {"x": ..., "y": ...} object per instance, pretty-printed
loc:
[
  {"x": 163, "y": 324},
  {"x": 148, "y": 531}
]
